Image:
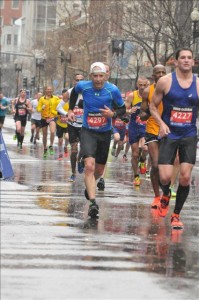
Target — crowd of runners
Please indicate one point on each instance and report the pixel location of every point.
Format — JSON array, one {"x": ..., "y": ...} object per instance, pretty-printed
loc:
[{"x": 156, "y": 122}]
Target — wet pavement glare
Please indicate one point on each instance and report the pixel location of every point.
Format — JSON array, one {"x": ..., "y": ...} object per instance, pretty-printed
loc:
[{"x": 51, "y": 250}]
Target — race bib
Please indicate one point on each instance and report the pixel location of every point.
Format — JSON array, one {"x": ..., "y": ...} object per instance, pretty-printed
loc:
[
  {"x": 181, "y": 116},
  {"x": 119, "y": 124},
  {"x": 22, "y": 112},
  {"x": 63, "y": 119},
  {"x": 96, "y": 120},
  {"x": 78, "y": 112}
]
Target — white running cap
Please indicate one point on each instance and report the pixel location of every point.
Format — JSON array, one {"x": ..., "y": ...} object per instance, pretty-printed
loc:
[{"x": 97, "y": 67}]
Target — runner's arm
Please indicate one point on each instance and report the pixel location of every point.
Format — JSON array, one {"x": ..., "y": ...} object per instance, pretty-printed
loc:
[
  {"x": 73, "y": 99},
  {"x": 144, "y": 110},
  {"x": 60, "y": 108},
  {"x": 120, "y": 111},
  {"x": 156, "y": 99}
]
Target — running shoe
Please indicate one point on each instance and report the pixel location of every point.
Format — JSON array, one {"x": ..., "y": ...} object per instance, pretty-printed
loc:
[
  {"x": 20, "y": 146},
  {"x": 80, "y": 166},
  {"x": 45, "y": 153},
  {"x": 101, "y": 184},
  {"x": 175, "y": 222},
  {"x": 35, "y": 142},
  {"x": 173, "y": 193},
  {"x": 113, "y": 151},
  {"x": 51, "y": 151},
  {"x": 136, "y": 181},
  {"x": 31, "y": 139},
  {"x": 155, "y": 202},
  {"x": 60, "y": 156},
  {"x": 86, "y": 195},
  {"x": 72, "y": 178},
  {"x": 142, "y": 168},
  {"x": 163, "y": 206},
  {"x": 65, "y": 151},
  {"x": 93, "y": 210},
  {"x": 124, "y": 158}
]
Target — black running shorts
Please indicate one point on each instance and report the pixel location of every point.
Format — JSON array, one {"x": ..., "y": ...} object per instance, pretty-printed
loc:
[
  {"x": 168, "y": 150},
  {"x": 60, "y": 131},
  {"x": 95, "y": 144},
  {"x": 22, "y": 119},
  {"x": 74, "y": 134},
  {"x": 149, "y": 137}
]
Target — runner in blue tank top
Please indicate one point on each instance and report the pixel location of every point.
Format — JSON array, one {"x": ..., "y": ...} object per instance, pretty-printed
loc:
[
  {"x": 98, "y": 99},
  {"x": 179, "y": 92}
]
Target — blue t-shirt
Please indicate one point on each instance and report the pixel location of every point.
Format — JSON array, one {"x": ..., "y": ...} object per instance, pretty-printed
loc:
[
  {"x": 180, "y": 107},
  {"x": 96, "y": 99},
  {"x": 3, "y": 102}
]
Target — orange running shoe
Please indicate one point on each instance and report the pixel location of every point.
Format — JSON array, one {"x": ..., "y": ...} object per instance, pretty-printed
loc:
[
  {"x": 142, "y": 168},
  {"x": 155, "y": 202},
  {"x": 60, "y": 157},
  {"x": 175, "y": 222},
  {"x": 136, "y": 181},
  {"x": 163, "y": 206}
]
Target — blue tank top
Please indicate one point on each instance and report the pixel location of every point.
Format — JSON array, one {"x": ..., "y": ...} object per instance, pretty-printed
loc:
[
  {"x": 180, "y": 109},
  {"x": 93, "y": 100}
]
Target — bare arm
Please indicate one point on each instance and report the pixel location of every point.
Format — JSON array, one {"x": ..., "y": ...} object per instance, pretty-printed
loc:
[
  {"x": 13, "y": 102},
  {"x": 144, "y": 110},
  {"x": 156, "y": 99},
  {"x": 28, "y": 106},
  {"x": 128, "y": 103}
]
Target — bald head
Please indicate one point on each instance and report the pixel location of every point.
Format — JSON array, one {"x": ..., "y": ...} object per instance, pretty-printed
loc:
[{"x": 158, "y": 71}]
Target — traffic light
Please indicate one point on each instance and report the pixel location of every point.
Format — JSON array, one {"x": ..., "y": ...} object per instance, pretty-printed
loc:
[
  {"x": 25, "y": 82},
  {"x": 32, "y": 81}
]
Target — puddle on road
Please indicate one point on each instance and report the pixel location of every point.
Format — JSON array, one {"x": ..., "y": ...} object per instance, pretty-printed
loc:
[{"x": 127, "y": 236}]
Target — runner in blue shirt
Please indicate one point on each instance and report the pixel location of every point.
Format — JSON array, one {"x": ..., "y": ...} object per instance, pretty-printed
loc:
[{"x": 98, "y": 99}]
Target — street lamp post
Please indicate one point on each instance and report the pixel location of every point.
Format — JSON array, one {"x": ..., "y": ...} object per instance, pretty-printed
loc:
[
  {"x": 118, "y": 48},
  {"x": 65, "y": 59},
  {"x": 18, "y": 69},
  {"x": 40, "y": 65},
  {"x": 195, "y": 21}
]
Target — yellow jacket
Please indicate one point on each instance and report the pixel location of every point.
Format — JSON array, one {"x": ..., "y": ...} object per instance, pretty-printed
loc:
[{"x": 47, "y": 107}]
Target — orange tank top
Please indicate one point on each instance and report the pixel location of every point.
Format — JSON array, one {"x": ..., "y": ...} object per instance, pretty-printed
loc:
[{"x": 151, "y": 125}]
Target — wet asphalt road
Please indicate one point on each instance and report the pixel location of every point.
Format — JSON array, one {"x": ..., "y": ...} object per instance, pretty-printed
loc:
[{"x": 51, "y": 250}]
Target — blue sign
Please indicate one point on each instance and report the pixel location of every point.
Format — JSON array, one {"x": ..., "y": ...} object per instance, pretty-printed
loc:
[
  {"x": 55, "y": 83},
  {"x": 5, "y": 164}
]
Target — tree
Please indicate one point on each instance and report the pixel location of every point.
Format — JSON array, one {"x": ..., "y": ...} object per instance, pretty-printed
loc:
[{"x": 159, "y": 27}]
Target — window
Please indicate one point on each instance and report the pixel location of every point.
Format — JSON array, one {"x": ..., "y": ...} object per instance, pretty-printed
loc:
[
  {"x": 15, "y": 39},
  {"x": 1, "y": 4},
  {"x": 15, "y": 3},
  {"x": 9, "y": 39},
  {"x": 1, "y": 21}
]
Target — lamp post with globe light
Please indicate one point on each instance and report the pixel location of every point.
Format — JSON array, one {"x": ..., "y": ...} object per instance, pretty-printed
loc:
[
  {"x": 195, "y": 19},
  {"x": 118, "y": 49},
  {"x": 195, "y": 32},
  {"x": 18, "y": 69}
]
